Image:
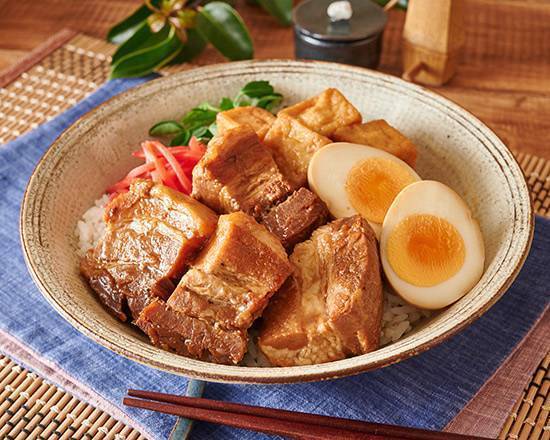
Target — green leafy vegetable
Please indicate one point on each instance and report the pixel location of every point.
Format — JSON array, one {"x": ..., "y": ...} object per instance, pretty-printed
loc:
[
  {"x": 224, "y": 28},
  {"x": 149, "y": 58},
  {"x": 181, "y": 139},
  {"x": 198, "y": 117},
  {"x": 259, "y": 94},
  {"x": 226, "y": 104},
  {"x": 202, "y": 133},
  {"x": 280, "y": 9},
  {"x": 200, "y": 122},
  {"x": 164, "y": 128},
  {"x": 257, "y": 89}
]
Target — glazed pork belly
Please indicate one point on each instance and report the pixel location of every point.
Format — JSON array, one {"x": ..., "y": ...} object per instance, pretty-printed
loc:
[
  {"x": 152, "y": 232},
  {"x": 191, "y": 337},
  {"x": 224, "y": 291},
  {"x": 293, "y": 220},
  {"x": 238, "y": 173},
  {"x": 331, "y": 305}
]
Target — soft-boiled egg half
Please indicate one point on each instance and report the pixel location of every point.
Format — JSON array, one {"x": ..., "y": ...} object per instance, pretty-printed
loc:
[
  {"x": 356, "y": 179},
  {"x": 431, "y": 247}
]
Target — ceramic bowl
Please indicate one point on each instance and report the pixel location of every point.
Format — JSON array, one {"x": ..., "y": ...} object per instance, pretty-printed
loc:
[{"x": 454, "y": 148}]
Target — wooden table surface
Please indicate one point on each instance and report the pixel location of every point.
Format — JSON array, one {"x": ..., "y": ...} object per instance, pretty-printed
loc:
[{"x": 504, "y": 76}]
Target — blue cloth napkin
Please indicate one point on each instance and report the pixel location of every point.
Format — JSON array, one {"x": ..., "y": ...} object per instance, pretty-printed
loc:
[{"x": 425, "y": 391}]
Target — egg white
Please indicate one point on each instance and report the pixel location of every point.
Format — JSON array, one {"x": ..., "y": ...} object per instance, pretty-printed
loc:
[
  {"x": 435, "y": 198},
  {"x": 328, "y": 171}
]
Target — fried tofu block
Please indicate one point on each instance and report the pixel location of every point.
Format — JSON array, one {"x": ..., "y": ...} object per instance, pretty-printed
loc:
[
  {"x": 293, "y": 220},
  {"x": 257, "y": 118},
  {"x": 331, "y": 305},
  {"x": 237, "y": 173},
  {"x": 324, "y": 113},
  {"x": 292, "y": 145},
  {"x": 152, "y": 233},
  {"x": 235, "y": 275},
  {"x": 379, "y": 134},
  {"x": 191, "y": 337}
]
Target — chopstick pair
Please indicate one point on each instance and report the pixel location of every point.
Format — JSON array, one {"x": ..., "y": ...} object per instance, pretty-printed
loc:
[{"x": 276, "y": 421}]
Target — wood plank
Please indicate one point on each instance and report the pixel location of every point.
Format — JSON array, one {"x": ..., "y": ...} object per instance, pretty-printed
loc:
[
  {"x": 10, "y": 56},
  {"x": 521, "y": 120},
  {"x": 24, "y": 24},
  {"x": 10, "y": 74}
]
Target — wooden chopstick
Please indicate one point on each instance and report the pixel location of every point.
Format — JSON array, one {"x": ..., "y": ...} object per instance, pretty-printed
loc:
[
  {"x": 253, "y": 423},
  {"x": 277, "y": 421}
]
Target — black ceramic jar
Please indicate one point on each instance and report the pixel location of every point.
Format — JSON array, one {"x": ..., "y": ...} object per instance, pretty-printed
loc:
[{"x": 357, "y": 40}]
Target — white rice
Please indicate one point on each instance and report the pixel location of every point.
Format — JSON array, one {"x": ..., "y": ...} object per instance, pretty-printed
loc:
[
  {"x": 91, "y": 227},
  {"x": 398, "y": 318}
]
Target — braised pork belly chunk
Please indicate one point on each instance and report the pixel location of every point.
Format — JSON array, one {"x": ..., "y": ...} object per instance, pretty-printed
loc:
[
  {"x": 225, "y": 290},
  {"x": 331, "y": 305},
  {"x": 152, "y": 232},
  {"x": 192, "y": 337},
  {"x": 293, "y": 220},
  {"x": 238, "y": 173}
]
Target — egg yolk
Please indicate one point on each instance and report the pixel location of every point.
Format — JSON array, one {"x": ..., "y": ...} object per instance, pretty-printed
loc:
[
  {"x": 425, "y": 250},
  {"x": 372, "y": 185}
]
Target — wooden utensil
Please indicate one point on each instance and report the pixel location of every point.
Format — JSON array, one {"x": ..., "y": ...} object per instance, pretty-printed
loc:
[
  {"x": 276, "y": 421},
  {"x": 432, "y": 38}
]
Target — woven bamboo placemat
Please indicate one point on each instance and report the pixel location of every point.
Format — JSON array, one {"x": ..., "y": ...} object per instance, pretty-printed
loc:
[{"x": 63, "y": 71}]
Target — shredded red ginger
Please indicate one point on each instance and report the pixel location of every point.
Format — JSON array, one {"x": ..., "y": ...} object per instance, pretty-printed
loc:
[{"x": 171, "y": 166}]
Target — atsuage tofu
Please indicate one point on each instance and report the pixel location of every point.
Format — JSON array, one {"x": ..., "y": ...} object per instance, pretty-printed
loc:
[
  {"x": 292, "y": 145},
  {"x": 324, "y": 113},
  {"x": 379, "y": 134}
]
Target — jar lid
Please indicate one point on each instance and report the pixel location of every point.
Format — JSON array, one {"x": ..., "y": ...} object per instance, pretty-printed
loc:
[{"x": 311, "y": 18}]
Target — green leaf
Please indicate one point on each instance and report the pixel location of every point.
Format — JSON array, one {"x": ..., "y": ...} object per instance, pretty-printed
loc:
[
  {"x": 181, "y": 139},
  {"x": 164, "y": 128},
  {"x": 270, "y": 101},
  {"x": 280, "y": 9},
  {"x": 124, "y": 29},
  {"x": 257, "y": 89},
  {"x": 226, "y": 104},
  {"x": 202, "y": 133},
  {"x": 222, "y": 26},
  {"x": 198, "y": 117},
  {"x": 144, "y": 61},
  {"x": 208, "y": 106},
  {"x": 213, "y": 129},
  {"x": 193, "y": 47},
  {"x": 143, "y": 38}
]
